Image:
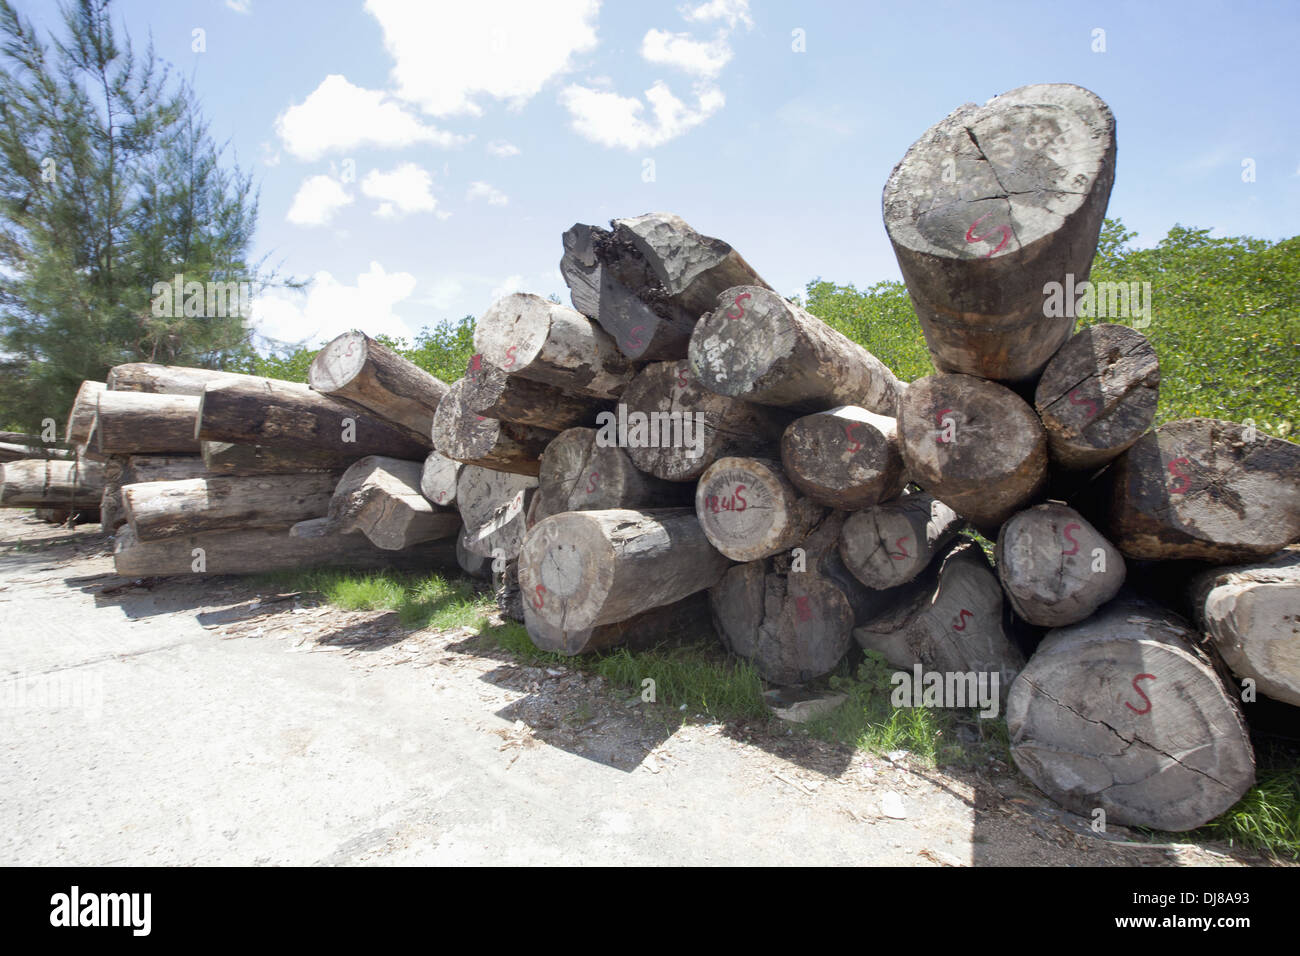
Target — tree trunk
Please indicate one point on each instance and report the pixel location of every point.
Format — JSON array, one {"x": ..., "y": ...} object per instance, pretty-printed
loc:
[
  {"x": 846, "y": 458},
  {"x": 356, "y": 368},
  {"x": 696, "y": 427},
  {"x": 50, "y": 483},
  {"x": 135, "y": 469},
  {"x": 527, "y": 336},
  {"x": 82, "y": 415},
  {"x": 475, "y": 565},
  {"x": 756, "y": 346},
  {"x": 170, "y": 379},
  {"x": 578, "y": 474},
  {"x": 987, "y": 208},
  {"x": 11, "y": 451},
  {"x": 475, "y": 439},
  {"x": 582, "y": 569},
  {"x": 291, "y": 416},
  {"x": 263, "y": 550},
  {"x": 749, "y": 509},
  {"x": 490, "y": 392},
  {"x": 228, "y": 458},
  {"x": 1055, "y": 567},
  {"x": 438, "y": 479},
  {"x": 1205, "y": 489},
  {"x": 381, "y": 498},
  {"x": 948, "y": 620},
  {"x": 129, "y": 423},
  {"x": 675, "y": 621},
  {"x": 1098, "y": 395},
  {"x": 1249, "y": 613},
  {"x": 1120, "y": 713},
  {"x": 483, "y": 496},
  {"x": 973, "y": 444},
  {"x": 164, "y": 509},
  {"x": 890, "y": 544}
]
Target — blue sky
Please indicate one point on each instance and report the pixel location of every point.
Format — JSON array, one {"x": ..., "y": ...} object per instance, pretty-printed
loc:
[{"x": 419, "y": 158}]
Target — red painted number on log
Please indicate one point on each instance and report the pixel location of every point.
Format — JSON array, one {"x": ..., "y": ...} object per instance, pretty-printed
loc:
[
  {"x": 736, "y": 502},
  {"x": 681, "y": 378},
  {"x": 901, "y": 544},
  {"x": 538, "y": 602},
  {"x": 1181, "y": 481},
  {"x": 740, "y": 498},
  {"x": 591, "y": 481},
  {"x": 441, "y": 495},
  {"x": 1070, "y": 538},
  {"x": 960, "y": 623},
  {"x": 634, "y": 342},
  {"x": 854, "y": 444},
  {"x": 1147, "y": 708},
  {"x": 971, "y": 237},
  {"x": 739, "y": 309},
  {"x": 801, "y": 608},
  {"x": 1076, "y": 400},
  {"x": 510, "y": 357}
]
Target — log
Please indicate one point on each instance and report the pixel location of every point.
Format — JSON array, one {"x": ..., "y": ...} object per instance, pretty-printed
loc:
[
  {"x": 290, "y": 416},
  {"x": 888, "y": 545},
  {"x": 356, "y": 368},
  {"x": 381, "y": 498},
  {"x": 135, "y": 469},
  {"x": 973, "y": 444},
  {"x": 1249, "y": 613},
  {"x": 312, "y": 528},
  {"x": 527, "y": 336},
  {"x": 51, "y": 483},
  {"x": 1119, "y": 712},
  {"x": 986, "y": 209},
  {"x": 128, "y": 423},
  {"x": 757, "y": 346},
  {"x": 482, "y": 497},
  {"x": 475, "y": 565},
  {"x": 491, "y": 392},
  {"x": 671, "y": 622},
  {"x": 1055, "y": 567},
  {"x": 473, "y": 439},
  {"x": 169, "y": 379},
  {"x": 1098, "y": 395},
  {"x": 749, "y": 509},
  {"x": 846, "y": 457},
  {"x": 229, "y": 458},
  {"x": 579, "y": 474},
  {"x": 164, "y": 509},
  {"x": 582, "y": 569},
  {"x": 1205, "y": 489},
  {"x": 674, "y": 428},
  {"x": 82, "y": 414},
  {"x": 12, "y": 451},
  {"x": 949, "y": 620},
  {"x": 264, "y": 550},
  {"x": 438, "y": 479}
]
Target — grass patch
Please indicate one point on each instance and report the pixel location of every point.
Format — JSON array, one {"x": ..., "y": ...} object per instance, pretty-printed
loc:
[
  {"x": 430, "y": 600},
  {"x": 1267, "y": 818}
]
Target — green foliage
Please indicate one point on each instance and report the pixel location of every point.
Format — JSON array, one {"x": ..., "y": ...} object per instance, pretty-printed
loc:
[{"x": 880, "y": 318}]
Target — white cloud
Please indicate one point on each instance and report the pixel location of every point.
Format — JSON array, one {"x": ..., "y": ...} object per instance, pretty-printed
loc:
[
  {"x": 338, "y": 116},
  {"x": 733, "y": 11},
  {"x": 447, "y": 56},
  {"x": 480, "y": 190},
  {"x": 317, "y": 200},
  {"x": 512, "y": 283},
  {"x": 404, "y": 189},
  {"x": 502, "y": 148},
  {"x": 270, "y": 155},
  {"x": 611, "y": 120},
  {"x": 681, "y": 50},
  {"x": 330, "y": 307},
  {"x": 240, "y": 6}
]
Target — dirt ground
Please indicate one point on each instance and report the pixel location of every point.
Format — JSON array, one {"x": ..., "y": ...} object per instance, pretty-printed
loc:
[{"x": 202, "y": 721}]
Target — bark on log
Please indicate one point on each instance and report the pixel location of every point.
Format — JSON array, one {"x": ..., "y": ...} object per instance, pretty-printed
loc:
[
  {"x": 482, "y": 495},
  {"x": 164, "y": 509},
  {"x": 749, "y": 509},
  {"x": 988, "y": 207},
  {"x": 756, "y": 346},
  {"x": 846, "y": 458},
  {"x": 489, "y": 391},
  {"x": 1250, "y": 614},
  {"x": 973, "y": 444},
  {"x": 380, "y": 497},
  {"x": 136, "y": 469},
  {"x": 671, "y": 622},
  {"x": 1205, "y": 489},
  {"x": 474, "y": 439},
  {"x": 527, "y": 336},
  {"x": 229, "y": 458},
  {"x": 128, "y": 423},
  {"x": 111, "y": 514},
  {"x": 438, "y": 479},
  {"x": 82, "y": 414},
  {"x": 169, "y": 379},
  {"x": 578, "y": 474},
  {"x": 51, "y": 483},
  {"x": 948, "y": 620},
  {"x": 888, "y": 545},
  {"x": 291, "y": 416},
  {"x": 685, "y": 428},
  {"x": 1055, "y": 567},
  {"x": 582, "y": 569},
  {"x": 356, "y": 368},
  {"x": 1098, "y": 395},
  {"x": 1121, "y": 713},
  {"x": 262, "y": 550}
]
